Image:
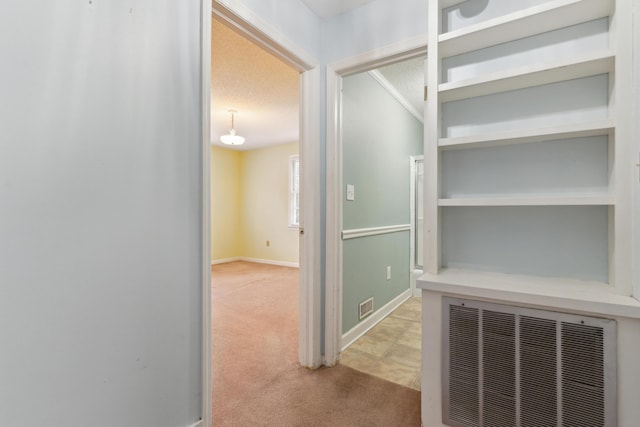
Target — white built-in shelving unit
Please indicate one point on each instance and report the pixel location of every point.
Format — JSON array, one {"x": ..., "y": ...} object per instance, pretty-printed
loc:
[{"x": 528, "y": 160}]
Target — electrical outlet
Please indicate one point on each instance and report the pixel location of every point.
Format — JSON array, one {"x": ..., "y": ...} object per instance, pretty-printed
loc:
[
  {"x": 388, "y": 272},
  {"x": 268, "y": 243}
]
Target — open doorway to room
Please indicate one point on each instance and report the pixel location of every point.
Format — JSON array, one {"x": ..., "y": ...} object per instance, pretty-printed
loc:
[
  {"x": 254, "y": 188},
  {"x": 263, "y": 268},
  {"x": 381, "y": 135}
]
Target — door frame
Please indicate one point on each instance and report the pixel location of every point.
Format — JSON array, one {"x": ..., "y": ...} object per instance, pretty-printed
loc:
[
  {"x": 336, "y": 71},
  {"x": 247, "y": 23},
  {"x": 413, "y": 203}
]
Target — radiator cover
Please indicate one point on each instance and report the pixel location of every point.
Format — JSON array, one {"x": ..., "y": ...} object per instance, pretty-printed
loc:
[{"x": 507, "y": 366}]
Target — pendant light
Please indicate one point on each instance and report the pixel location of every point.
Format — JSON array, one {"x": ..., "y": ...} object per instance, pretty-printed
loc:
[{"x": 232, "y": 138}]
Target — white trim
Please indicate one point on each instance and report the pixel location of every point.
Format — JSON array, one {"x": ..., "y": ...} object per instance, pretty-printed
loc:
[
  {"x": 378, "y": 77},
  {"x": 333, "y": 225},
  {"x": 257, "y": 260},
  {"x": 412, "y": 208},
  {"x": 293, "y": 159},
  {"x": 374, "y": 231},
  {"x": 242, "y": 19},
  {"x": 407, "y": 49},
  {"x": 450, "y": 3},
  {"x": 367, "y": 324},
  {"x": 386, "y": 55},
  {"x": 310, "y": 305},
  {"x": 205, "y": 117},
  {"x": 621, "y": 102},
  {"x": 431, "y": 243},
  {"x": 198, "y": 424},
  {"x": 635, "y": 131},
  {"x": 415, "y": 275},
  {"x": 551, "y": 200},
  {"x": 554, "y": 292},
  {"x": 225, "y": 260},
  {"x": 271, "y": 262}
]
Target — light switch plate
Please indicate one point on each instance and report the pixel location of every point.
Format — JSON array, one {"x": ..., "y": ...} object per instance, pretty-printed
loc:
[{"x": 351, "y": 192}]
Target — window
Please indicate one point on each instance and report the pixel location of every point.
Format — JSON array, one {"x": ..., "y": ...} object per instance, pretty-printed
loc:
[{"x": 294, "y": 191}]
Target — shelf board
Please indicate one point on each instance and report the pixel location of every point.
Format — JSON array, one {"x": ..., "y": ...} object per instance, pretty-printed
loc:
[
  {"x": 580, "y": 130},
  {"x": 561, "y": 293},
  {"x": 539, "y": 19},
  {"x": 450, "y": 3},
  {"x": 554, "y": 200},
  {"x": 529, "y": 76}
]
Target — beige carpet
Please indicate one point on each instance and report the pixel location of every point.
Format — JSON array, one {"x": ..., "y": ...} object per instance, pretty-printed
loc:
[{"x": 256, "y": 377}]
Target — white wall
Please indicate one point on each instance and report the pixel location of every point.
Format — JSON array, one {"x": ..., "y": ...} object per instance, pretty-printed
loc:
[
  {"x": 100, "y": 213},
  {"x": 372, "y": 26},
  {"x": 636, "y": 176}
]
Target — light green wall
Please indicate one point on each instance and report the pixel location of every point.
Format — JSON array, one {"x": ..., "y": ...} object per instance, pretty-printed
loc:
[
  {"x": 379, "y": 136},
  {"x": 365, "y": 269}
]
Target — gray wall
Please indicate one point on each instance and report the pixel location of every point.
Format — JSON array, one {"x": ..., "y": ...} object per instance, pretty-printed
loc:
[
  {"x": 100, "y": 213},
  {"x": 379, "y": 135},
  {"x": 372, "y": 26},
  {"x": 636, "y": 97}
]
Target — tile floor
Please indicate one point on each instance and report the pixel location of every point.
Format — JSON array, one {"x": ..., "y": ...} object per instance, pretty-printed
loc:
[{"x": 392, "y": 349}]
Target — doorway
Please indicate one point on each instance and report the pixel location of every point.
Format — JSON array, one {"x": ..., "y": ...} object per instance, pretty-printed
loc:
[
  {"x": 254, "y": 196},
  {"x": 270, "y": 39},
  {"x": 417, "y": 221},
  {"x": 241, "y": 20},
  {"x": 343, "y": 198}
]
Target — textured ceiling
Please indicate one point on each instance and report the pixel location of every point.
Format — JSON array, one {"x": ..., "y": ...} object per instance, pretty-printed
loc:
[
  {"x": 259, "y": 86},
  {"x": 265, "y": 91},
  {"x": 329, "y": 8},
  {"x": 407, "y": 77}
]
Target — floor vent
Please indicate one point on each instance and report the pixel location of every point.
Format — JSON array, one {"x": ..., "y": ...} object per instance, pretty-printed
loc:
[
  {"x": 365, "y": 308},
  {"x": 506, "y": 366}
]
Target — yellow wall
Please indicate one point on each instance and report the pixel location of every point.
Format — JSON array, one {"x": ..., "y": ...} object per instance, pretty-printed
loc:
[
  {"x": 226, "y": 197},
  {"x": 265, "y": 204},
  {"x": 253, "y": 204}
]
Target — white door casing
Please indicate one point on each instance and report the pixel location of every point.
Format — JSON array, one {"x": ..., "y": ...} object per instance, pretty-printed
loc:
[{"x": 333, "y": 269}]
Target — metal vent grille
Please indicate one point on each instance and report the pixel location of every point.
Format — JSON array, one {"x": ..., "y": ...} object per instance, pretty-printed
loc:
[
  {"x": 365, "y": 308},
  {"x": 464, "y": 379},
  {"x": 506, "y": 366}
]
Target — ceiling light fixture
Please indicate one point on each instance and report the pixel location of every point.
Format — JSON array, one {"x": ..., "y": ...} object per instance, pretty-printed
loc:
[{"x": 232, "y": 138}]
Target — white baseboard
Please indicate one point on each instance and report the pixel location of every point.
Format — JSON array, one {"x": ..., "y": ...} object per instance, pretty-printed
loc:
[
  {"x": 363, "y": 327},
  {"x": 257, "y": 260},
  {"x": 272, "y": 262},
  {"x": 225, "y": 260}
]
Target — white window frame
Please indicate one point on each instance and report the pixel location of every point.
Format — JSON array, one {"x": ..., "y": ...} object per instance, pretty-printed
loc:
[{"x": 294, "y": 192}]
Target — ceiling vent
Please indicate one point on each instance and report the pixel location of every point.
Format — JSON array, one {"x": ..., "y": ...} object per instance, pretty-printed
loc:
[{"x": 506, "y": 366}]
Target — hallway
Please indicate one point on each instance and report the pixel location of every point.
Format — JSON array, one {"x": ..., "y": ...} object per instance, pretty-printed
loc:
[{"x": 256, "y": 377}]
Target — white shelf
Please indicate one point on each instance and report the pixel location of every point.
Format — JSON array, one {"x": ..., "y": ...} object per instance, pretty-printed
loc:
[
  {"x": 555, "y": 200},
  {"x": 560, "y": 293},
  {"x": 539, "y": 19},
  {"x": 580, "y": 130},
  {"x": 529, "y": 76},
  {"x": 449, "y": 3}
]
